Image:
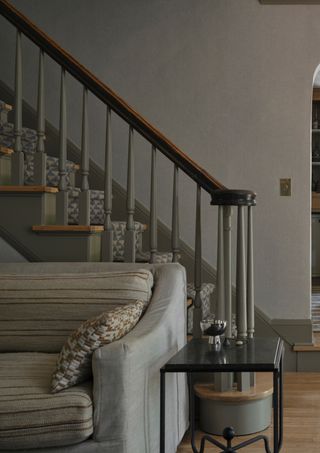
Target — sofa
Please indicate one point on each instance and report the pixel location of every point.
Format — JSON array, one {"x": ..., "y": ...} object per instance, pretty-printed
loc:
[{"x": 118, "y": 409}]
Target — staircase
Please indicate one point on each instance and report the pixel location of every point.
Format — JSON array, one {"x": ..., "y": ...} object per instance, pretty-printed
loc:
[{"x": 52, "y": 213}]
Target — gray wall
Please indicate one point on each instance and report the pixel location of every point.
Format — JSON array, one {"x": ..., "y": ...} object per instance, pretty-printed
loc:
[
  {"x": 8, "y": 254},
  {"x": 229, "y": 82}
]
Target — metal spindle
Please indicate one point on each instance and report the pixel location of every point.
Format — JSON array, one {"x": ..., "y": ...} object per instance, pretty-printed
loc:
[
  {"x": 197, "y": 312},
  {"x": 175, "y": 241},
  {"x": 153, "y": 207},
  {"x": 107, "y": 238},
  {"x": 62, "y": 196},
  {"x": 17, "y": 174},
  {"x": 227, "y": 212},
  {"x": 84, "y": 200},
  {"x": 220, "y": 311},
  {"x": 40, "y": 158},
  {"x": 129, "y": 252},
  {"x": 241, "y": 301},
  {"x": 250, "y": 275}
]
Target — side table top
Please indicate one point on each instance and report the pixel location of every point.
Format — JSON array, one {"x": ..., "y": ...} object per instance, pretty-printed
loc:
[{"x": 257, "y": 354}]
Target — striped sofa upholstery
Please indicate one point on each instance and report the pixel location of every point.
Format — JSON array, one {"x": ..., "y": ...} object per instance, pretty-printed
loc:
[
  {"x": 31, "y": 417},
  {"x": 38, "y": 312},
  {"x": 117, "y": 410}
]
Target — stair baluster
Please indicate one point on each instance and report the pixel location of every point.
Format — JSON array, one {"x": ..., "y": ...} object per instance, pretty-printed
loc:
[
  {"x": 244, "y": 379},
  {"x": 227, "y": 212},
  {"x": 221, "y": 196},
  {"x": 197, "y": 313},
  {"x": 175, "y": 240},
  {"x": 241, "y": 297},
  {"x": 130, "y": 249},
  {"x": 153, "y": 207},
  {"x": 40, "y": 158},
  {"x": 84, "y": 200},
  {"x": 107, "y": 236},
  {"x": 17, "y": 175},
  {"x": 220, "y": 310},
  {"x": 250, "y": 275},
  {"x": 223, "y": 382},
  {"x": 62, "y": 196}
]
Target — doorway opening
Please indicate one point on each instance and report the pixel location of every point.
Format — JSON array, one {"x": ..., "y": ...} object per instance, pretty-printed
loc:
[{"x": 315, "y": 204}]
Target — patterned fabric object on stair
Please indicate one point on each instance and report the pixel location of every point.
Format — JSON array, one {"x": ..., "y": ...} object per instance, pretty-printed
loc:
[
  {"x": 206, "y": 290},
  {"x": 96, "y": 207},
  {"x": 8, "y": 142},
  {"x": 29, "y": 137},
  {"x": 52, "y": 171},
  {"x": 97, "y": 218},
  {"x": 159, "y": 257},
  {"x": 119, "y": 230}
]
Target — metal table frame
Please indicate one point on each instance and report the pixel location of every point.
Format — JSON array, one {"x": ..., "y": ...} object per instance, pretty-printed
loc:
[{"x": 276, "y": 368}]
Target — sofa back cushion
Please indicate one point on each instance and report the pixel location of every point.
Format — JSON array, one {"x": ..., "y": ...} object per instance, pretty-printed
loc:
[{"x": 38, "y": 312}]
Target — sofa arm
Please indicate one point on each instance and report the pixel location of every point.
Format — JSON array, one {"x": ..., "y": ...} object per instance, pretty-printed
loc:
[{"x": 126, "y": 377}]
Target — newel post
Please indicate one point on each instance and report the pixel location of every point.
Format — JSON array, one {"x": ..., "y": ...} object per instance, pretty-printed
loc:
[{"x": 243, "y": 200}]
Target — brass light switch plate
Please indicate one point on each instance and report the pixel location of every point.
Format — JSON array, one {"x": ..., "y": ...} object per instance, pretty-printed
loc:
[{"x": 285, "y": 187}]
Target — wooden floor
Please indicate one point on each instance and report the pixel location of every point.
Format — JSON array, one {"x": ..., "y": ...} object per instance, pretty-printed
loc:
[{"x": 301, "y": 418}]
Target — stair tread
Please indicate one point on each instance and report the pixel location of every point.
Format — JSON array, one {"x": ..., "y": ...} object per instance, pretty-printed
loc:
[
  {"x": 68, "y": 228},
  {"x": 28, "y": 189},
  {"x": 315, "y": 346},
  {"x": 5, "y": 106},
  {"x": 5, "y": 150},
  {"x": 189, "y": 303}
]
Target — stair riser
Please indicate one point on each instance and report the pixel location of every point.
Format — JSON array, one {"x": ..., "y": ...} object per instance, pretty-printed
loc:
[
  {"x": 23, "y": 210},
  {"x": 67, "y": 247},
  {"x": 5, "y": 170},
  {"x": 3, "y": 116},
  {"x": 52, "y": 172}
]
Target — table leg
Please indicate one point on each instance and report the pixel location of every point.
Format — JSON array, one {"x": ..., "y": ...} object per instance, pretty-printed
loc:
[
  {"x": 281, "y": 404},
  {"x": 192, "y": 414},
  {"x": 162, "y": 411},
  {"x": 276, "y": 411}
]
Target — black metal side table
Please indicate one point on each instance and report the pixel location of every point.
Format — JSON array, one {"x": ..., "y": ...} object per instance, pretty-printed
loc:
[{"x": 256, "y": 355}]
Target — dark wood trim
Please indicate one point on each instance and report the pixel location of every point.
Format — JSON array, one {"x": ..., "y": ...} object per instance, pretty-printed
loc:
[
  {"x": 68, "y": 228},
  {"x": 234, "y": 198},
  {"x": 28, "y": 189},
  {"x": 6, "y": 151},
  {"x": 110, "y": 98}
]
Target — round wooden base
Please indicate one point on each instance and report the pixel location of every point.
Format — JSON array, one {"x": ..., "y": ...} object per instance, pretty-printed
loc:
[{"x": 247, "y": 412}]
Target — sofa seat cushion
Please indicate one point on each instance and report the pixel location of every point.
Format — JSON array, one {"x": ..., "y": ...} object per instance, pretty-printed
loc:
[{"x": 32, "y": 417}]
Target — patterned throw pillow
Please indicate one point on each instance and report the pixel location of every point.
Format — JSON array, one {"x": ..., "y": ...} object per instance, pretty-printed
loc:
[{"x": 74, "y": 361}]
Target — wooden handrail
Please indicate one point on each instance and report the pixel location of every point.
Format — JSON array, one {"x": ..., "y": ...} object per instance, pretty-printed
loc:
[{"x": 110, "y": 98}]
